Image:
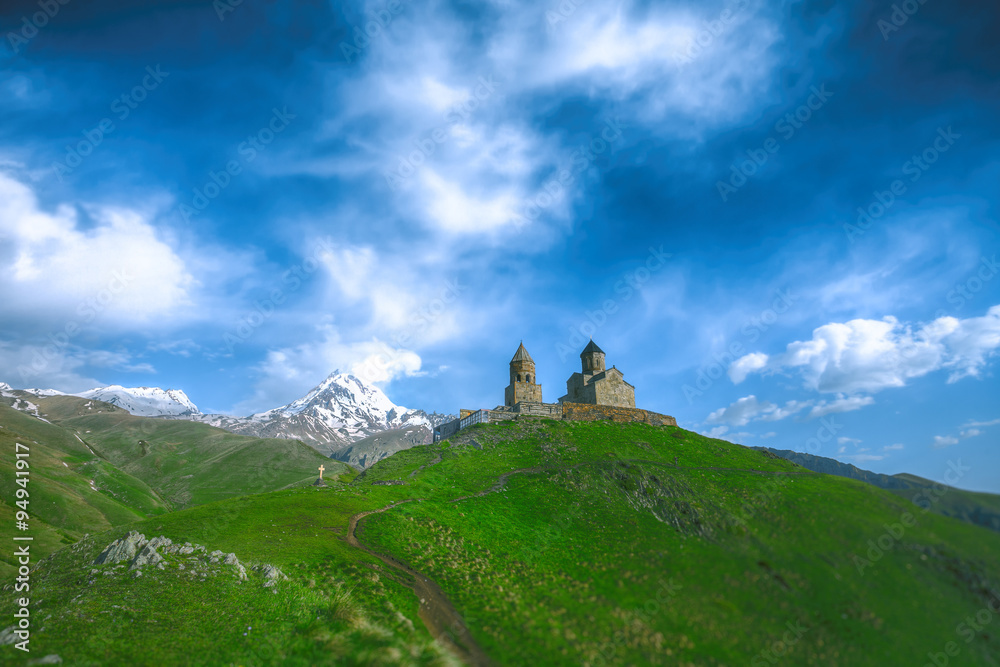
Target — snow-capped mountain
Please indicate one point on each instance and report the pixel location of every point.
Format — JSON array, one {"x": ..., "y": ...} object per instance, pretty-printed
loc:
[
  {"x": 339, "y": 411},
  {"x": 144, "y": 401},
  {"x": 44, "y": 392},
  {"x": 331, "y": 418}
]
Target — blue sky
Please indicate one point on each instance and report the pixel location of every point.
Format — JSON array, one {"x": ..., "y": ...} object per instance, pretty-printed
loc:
[{"x": 236, "y": 200}]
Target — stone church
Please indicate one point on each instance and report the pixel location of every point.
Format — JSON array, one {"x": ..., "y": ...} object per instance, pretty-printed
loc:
[
  {"x": 595, "y": 393},
  {"x": 595, "y": 385}
]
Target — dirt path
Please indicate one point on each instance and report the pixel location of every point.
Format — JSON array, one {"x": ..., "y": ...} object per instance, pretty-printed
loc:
[{"x": 444, "y": 623}]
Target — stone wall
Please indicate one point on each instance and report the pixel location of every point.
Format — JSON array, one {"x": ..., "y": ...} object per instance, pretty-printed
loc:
[
  {"x": 589, "y": 413},
  {"x": 539, "y": 409},
  {"x": 611, "y": 389}
]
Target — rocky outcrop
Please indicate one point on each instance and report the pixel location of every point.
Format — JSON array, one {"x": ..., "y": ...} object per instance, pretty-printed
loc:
[
  {"x": 123, "y": 549},
  {"x": 138, "y": 552}
]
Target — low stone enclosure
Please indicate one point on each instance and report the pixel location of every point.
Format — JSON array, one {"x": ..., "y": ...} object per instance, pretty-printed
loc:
[{"x": 569, "y": 411}]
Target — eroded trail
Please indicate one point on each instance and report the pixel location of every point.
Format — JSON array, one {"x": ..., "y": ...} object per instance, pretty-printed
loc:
[{"x": 444, "y": 623}]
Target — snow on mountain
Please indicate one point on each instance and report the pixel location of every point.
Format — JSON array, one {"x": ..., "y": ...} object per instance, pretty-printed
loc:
[
  {"x": 44, "y": 392},
  {"x": 345, "y": 402},
  {"x": 4, "y": 387},
  {"x": 339, "y": 411},
  {"x": 144, "y": 401}
]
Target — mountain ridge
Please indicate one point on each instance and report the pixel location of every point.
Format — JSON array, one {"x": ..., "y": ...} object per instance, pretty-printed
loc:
[{"x": 331, "y": 417}]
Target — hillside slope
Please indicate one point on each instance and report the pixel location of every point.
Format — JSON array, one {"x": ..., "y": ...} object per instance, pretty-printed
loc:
[
  {"x": 558, "y": 543},
  {"x": 71, "y": 490},
  {"x": 981, "y": 509},
  {"x": 186, "y": 462}
]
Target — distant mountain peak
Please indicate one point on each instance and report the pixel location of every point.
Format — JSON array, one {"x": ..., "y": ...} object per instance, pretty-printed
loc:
[
  {"x": 144, "y": 401},
  {"x": 338, "y": 411}
]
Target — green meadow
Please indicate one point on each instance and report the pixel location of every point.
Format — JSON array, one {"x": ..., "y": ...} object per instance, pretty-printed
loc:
[{"x": 550, "y": 542}]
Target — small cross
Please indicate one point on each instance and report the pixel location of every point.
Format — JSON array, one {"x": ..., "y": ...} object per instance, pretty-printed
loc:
[{"x": 321, "y": 469}]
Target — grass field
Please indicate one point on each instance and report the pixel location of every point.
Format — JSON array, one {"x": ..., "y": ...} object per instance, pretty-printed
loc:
[{"x": 556, "y": 543}]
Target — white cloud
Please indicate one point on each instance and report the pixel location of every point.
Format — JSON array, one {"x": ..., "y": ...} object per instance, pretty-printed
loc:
[
  {"x": 118, "y": 267},
  {"x": 745, "y": 365},
  {"x": 748, "y": 409},
  {"x": 845, "y": 441},
  {"x": 896, "y": 447},
  {"x": 403, "y": 297},
  {"x": 842, "y": 404},
  {"x": 65, "y": 368},
  {"x": 941, "y": 441},
  {"x": 717, "y": 432},
  {"x": 872, "y": 355},
  {"x": 453, "y": 209},
  {"x": 288, "y": 373},
  {"x": 978, "y": 424},
  {"x": 970, "y": 433},
  {"x": 492, "y": 158}
]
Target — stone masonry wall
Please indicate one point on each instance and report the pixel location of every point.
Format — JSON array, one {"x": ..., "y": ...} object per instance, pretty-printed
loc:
[
  {"x": 589, "y": 413},
  {"x": 612, "y": 390}
]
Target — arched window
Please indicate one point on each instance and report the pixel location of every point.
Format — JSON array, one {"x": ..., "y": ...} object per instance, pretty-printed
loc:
[
  {"x": 527, "y": 378},
  {"x": 518, "y": 377}
]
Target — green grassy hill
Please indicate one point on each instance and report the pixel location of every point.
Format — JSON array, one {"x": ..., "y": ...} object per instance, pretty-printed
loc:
[
  {"x": 187, "y": 463},
  {"x": 71, "y": 491},
  {"x": 547, "y": 543},
  {"x": 981, "y": 509},
  {"x": 94, "y": 466}
]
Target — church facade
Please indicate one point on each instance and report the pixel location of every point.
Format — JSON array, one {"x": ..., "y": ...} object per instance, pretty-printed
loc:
[{"x": 597, "y": 385}]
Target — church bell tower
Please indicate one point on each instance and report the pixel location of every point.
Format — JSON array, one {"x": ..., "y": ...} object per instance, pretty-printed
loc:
[
  {"x": 592, "y": 358},
  {"x": 522, "y": 385}
]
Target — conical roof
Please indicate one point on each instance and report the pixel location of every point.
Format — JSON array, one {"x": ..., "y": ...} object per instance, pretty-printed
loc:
[
  {"x": 591, "y": 348},
  {"x": 522, "y": 355}
]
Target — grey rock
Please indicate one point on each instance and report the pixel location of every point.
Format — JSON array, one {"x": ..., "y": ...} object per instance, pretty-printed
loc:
[
  {"x": 122, "y": 549},
  {"x": 241, "y": 571},
  {"x": 161, "y": 541},
  {"x": 51, "y": 659},
  {"x": 185, "y": 550},
  {"x": 272, "y": 575},
  {"x": 216, "y": 556},
  {"x": 146, "y": 556}
]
